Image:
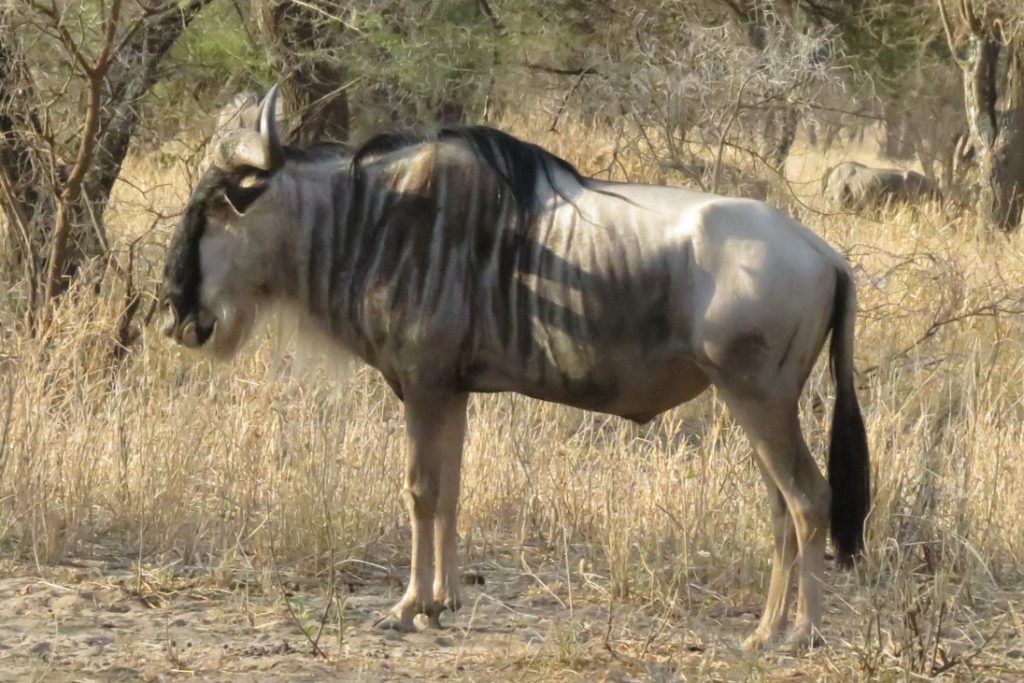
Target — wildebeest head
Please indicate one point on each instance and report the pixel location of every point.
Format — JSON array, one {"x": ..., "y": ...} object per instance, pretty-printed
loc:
[{"x": 220, "y": 260}]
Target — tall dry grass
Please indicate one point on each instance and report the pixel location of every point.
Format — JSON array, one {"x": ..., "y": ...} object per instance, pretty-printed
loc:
[{"x": 169, "y": 459}]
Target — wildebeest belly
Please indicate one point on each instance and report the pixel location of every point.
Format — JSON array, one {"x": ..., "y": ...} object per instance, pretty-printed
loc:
[
  {"x": 640, "y": 390},
  {"x": 622, "y": 382}
]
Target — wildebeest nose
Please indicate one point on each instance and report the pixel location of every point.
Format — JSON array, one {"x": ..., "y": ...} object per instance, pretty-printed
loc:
[
  {"x": 192, "y": 329},
  {"x": 190, "y": 334}
]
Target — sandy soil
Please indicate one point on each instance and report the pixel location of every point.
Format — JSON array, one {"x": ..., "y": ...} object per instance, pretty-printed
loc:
[{"x": 102, "y": 621}]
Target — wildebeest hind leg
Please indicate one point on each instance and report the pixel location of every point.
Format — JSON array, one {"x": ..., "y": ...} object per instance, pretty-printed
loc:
[
  {"x": 773, "y": 426},
  {"x": 435, "y": 426},
  {"x": 784, "y": 556}
]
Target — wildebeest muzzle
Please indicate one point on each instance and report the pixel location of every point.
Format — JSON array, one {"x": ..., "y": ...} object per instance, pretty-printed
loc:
[
  {"x": 186, "y": 320},
  {"x": 192, "y": 329}
]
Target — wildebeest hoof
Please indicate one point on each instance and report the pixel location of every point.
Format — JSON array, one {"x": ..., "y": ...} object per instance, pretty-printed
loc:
[
  {"x": 394, "y": 622},
  {"x": 451, "y": 602},
  {"x": 433, "y": 613},
  {"x": 802, "y": 638},
  {"x": 760, "y": 640},
  {"x": 402, "y": 617}
]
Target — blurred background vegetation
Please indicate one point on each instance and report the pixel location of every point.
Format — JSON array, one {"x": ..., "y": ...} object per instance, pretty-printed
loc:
[{"x": 712, "y": 93}]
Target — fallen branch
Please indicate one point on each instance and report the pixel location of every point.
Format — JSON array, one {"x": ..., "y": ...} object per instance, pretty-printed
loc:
[
  {"x": 585, "y": 71},
  {"x": 992, "y": 309}
]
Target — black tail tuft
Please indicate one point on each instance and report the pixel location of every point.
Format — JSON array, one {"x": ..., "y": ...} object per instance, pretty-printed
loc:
[{"x": 849, "y": 470}]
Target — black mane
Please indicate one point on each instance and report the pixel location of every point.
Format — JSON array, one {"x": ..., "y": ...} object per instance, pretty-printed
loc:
[
  {"x": 316, "y": 151},
  {"x": 518, "y": 163}
]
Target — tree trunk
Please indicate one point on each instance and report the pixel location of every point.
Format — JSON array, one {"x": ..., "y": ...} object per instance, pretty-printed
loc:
[
  {"x": 1003, "y": 167},
  {"x": 313, "y": 90},
  {"x": 898, "y": 137},
  {"x": 781, "y": 142},
  {"x": 780, "y": 123},
  {"x": 78, "y": 232},
  {"x": 129, "y": 80},
  {"x": 25, "y": 173},
  {"x": 993, "y": 75}
]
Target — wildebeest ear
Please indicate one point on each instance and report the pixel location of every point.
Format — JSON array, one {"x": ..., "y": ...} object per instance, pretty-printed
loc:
[
  {"x": 248, "y": 189},
  {"x": 235, "y": 196},
  {"x": 219, "y": 206}
]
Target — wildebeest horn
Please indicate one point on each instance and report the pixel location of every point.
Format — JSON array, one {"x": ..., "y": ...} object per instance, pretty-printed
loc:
[
  {"x": 260, "y": 148},
  {"x": 268, "y": 130}
]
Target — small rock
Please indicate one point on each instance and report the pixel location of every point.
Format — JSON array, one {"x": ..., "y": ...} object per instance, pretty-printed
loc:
[
  {"x": 65, "y": 602},
  {"x": 531, "y": 636}
]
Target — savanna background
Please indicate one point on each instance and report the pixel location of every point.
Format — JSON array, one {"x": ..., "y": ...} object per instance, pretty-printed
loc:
[{"x": 162, "y": 516}]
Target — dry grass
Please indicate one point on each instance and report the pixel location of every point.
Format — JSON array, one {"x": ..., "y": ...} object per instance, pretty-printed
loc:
[{"x": 264, "y": 469}]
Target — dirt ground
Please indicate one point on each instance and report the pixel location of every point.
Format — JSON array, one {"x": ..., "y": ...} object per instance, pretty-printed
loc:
[
  {"x": 107, "y": 621},
  {"x": 102, "y": 621}
]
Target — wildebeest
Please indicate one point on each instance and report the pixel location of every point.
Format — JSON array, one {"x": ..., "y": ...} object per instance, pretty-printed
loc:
[
  {"x": 855, "y": 187},
  {"x": 470, "y": 261}
]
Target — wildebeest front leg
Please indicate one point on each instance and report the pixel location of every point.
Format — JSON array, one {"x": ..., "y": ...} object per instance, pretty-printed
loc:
[
  {"x": 435, "y": 427},
  {"x": 446, "y": 558}
]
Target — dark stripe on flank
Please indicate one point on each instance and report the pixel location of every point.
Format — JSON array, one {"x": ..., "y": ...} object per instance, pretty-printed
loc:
[
  {"x": 789, "y": 346},
  {"x": 318, "y": 254},
  {"x": 341, "y": 229}
]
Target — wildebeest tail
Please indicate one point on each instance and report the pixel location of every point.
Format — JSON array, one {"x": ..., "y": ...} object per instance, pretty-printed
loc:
[{"x": 849, "y": 472}]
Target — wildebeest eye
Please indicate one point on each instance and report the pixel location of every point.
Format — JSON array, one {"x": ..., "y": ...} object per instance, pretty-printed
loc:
[{"x": 243, "y": 191}]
